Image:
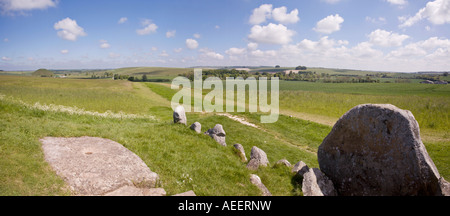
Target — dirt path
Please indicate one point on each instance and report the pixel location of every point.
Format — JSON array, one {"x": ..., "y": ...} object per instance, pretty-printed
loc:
[{"x": 238, "y": 119}]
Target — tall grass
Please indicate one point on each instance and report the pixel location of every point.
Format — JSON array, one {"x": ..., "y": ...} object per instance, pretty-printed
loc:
[
  {"x": 90, "y": 95},
  {"x": 431, "y": 112}
]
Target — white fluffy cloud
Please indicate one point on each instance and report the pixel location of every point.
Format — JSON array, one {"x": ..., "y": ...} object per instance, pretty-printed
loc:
[
  {"x": 26, "y": 5},
  {"x": 163, "y": 54},
  {"x": 104, "y": 44},
  {"x": 69, "y": 29},
  {"x": 321, "y": 45},
  {"x": 398, "y": 2},
  {"x": 252, "y": 46},
  {"x": 209, "y": 54},
  {"x": 280, "y": 15},
  {"x": 437, "y": 12},
  {"x": 122, "y": 20},
  {"x": 149, "y": 27},
  {"x": 170, "y": 34},
  {"x": 235, "y": 51},
  {"x": 64, "y": 51},
  {"x": 191, "y": 44},
  {"x": 329, "y": 24},
  {"x": 386, "y": 39},
  {"x": 271, "y": 34},
  {"x": 260, "y": 14},
  {"x": 423, "y": 48},
  {"x": 264, "y": 12}
]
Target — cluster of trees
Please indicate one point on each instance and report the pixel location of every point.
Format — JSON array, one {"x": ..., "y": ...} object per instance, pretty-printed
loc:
[
  {"x": 432, "y": 77},
  {"x": 105, "y": 75},
  {"x": 358, "y": 79},
  {"x": 220, "y": 73},
  {"x": 301, "y": 68},
  {"x": 146, "y": 79}
]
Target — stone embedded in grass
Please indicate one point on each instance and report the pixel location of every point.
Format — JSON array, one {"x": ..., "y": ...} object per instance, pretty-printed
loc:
[
  {"x": 96, "y": 166},
  {"x": 187, "y": 193},
  {"x": 218, "y": 134},
  {"x": 179, "y": 115},
  {"x": 257, "y": 158},
  {"x": 376, "y": 150},
  {"x": 240, "y": 152},
  {"x": 197, "y": 127},
  {"x": 300, "y": 168},
  {"x": 254, "y": 179},
  {"x": 283, "y": 162},
  {"x": 315, "y": 183}
]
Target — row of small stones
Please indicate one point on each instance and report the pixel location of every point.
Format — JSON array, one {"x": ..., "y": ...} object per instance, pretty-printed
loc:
[{"x": 299, "y": 168}]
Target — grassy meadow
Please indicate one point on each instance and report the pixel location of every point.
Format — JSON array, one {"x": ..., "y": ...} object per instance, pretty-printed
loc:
[{"x": 183, "y": 159}]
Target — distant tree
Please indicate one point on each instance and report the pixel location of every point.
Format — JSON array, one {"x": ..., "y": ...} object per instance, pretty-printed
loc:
[
  {"x": 301, "y": 68},
  {"x": 446, "y": 74},
  {"x": 144, "y": 78},
  {"x": 131, "y": 78},
  {"x": 277, "y": 66}
]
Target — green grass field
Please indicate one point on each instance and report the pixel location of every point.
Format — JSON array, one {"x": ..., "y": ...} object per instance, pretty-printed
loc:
[{"x": 177, "y": 153}]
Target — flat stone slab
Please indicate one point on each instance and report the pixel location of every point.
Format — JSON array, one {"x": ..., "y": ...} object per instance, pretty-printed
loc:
[
  {"x": 187, "y": 193},
  {"x": 134, "y": 191},
  {"x": 96, "y": 166}
]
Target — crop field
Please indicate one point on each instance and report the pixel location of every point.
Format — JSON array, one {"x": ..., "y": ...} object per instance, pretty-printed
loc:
[{"x": 183, "y": 159}]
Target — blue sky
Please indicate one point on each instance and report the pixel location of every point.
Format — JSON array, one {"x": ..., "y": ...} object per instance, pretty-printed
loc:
[{"x": 385, "y": 35}]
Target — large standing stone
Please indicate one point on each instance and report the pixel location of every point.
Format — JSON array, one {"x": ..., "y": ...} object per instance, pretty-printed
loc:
[
  {"x": 179, "y": 115},
  {"x": 315, "y": 183},
  {"x": 377, "y": 150},
  {"x": 197, "y": 127},
  {"x": 257, "y": 158},
  {"x": 218, "y": 134}
]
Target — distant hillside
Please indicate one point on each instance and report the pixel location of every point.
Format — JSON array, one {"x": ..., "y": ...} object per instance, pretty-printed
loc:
[
  {"x": 151, "y": 72},
  {"x": 43, "y": 73}
]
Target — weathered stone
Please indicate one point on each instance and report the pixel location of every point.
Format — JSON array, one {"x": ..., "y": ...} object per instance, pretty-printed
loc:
[
  {"x": 254, "y": 179},
  {"x": 257, "y": 158},
  {"x": 240, "y": 151},
  {"x": 283, "y": 162},
  {"x": 218, "y": 134},
  {"x": 128, "y": 190},
  {"x": 376, "y": 150},
  {"x": 197, "y": 127},
  {"x": 179, "y": 115},
  {"x": 187, "y": 193},
  {"x": 445, "y": 187},
  {"x": 300, "y": 168},
  {"x": 154, "y": 192},
  {"x": 315, "y": 183},
  {"x": 96, "y": 166}
]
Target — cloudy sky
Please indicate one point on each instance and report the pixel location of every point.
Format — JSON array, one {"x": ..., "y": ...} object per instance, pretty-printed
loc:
[{"x": 384, "y": 35}]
